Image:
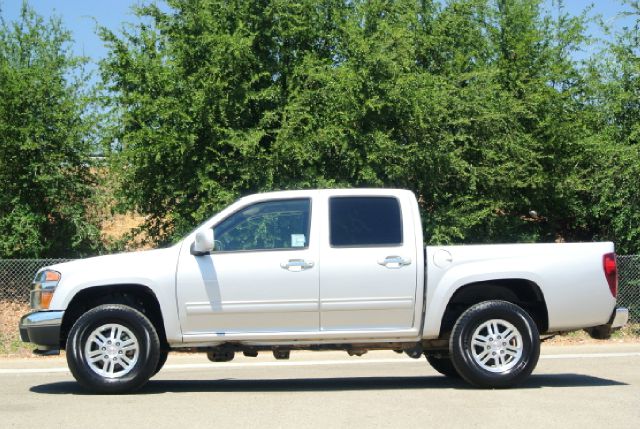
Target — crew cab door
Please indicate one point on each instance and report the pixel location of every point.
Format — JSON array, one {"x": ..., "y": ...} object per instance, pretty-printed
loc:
[
  {"x": 368, "y": 272},
  {"x": 261, "y": 277}
]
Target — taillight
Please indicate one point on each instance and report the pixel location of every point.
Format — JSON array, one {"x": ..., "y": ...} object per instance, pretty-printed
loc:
[{"x": 611, "y": 272}]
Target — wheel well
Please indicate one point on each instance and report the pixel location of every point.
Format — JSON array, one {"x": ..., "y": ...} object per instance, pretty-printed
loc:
[
  {"x": 136, "y": 296},
  {"x": 523, "y": 293}
]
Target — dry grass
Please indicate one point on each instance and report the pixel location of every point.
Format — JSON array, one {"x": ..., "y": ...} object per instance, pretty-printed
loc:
[
  {"x": 122, "y": 232},
  {"x": 118, "y": 225},
  {"x": 628, "y": 334},
  {"x": 118, "y": 230},
  {"x": 10, "y": 344}
]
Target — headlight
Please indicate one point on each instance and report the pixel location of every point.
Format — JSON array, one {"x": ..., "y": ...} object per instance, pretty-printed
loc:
[{"x": 44, "y": 285}]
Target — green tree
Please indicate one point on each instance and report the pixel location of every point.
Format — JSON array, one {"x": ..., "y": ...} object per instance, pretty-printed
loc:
[
  {"x": 478, "y": 106},
  {"x": 612, "y": 155},
  {"x": 46, "y": 135},
  {"x": 198, "y": 95},
  {"x": 471, "y": 104}
]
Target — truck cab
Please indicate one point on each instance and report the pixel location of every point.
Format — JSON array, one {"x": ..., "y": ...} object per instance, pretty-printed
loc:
[{"x": 305, "y": 265}]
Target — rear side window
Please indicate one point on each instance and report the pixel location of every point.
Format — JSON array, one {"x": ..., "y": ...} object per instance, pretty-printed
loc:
[{"x": 365, "y": 221}]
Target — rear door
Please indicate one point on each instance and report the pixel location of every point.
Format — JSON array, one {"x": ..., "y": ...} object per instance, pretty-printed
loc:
[{"x": 368, "y": 270}]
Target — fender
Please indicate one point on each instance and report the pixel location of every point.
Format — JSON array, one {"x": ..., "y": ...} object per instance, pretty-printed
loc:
[
  {"x": 457, "y": 277},
  {"x": 154, "y": 269}
]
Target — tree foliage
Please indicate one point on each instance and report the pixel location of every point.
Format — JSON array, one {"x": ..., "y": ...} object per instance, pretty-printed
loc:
[
  {"x": 612, "y": 153},
  {"x": 478, "y": 106},
  {"x": 45, "y": 145},
  {"x": 475, "y": 105}
]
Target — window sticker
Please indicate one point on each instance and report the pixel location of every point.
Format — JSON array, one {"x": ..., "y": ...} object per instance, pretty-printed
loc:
[{"x": 298, "y": 240}]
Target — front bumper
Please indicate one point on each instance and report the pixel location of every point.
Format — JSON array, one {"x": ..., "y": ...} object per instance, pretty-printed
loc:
[
  {"x": 618, "y": 319},
  {"x": 42, "y": 328}
]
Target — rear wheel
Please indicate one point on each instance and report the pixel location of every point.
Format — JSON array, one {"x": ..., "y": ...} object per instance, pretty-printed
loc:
[
  {"x": 494, "y": 344},
  {"x": 443, "y": 365},
  {"x": 113, "y": 348}
]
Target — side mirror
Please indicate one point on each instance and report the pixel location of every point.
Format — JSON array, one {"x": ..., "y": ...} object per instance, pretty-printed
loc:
[{"x": 204, "y": 243}]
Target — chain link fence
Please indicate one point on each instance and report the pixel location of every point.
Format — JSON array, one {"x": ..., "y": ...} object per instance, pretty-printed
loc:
[
  {"x": 16, "y": 276},
  {"x": 629, "y": 285}
]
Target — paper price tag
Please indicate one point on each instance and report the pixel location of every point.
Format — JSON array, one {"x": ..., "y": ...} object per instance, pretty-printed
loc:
[{"x": 298, "y": 240}]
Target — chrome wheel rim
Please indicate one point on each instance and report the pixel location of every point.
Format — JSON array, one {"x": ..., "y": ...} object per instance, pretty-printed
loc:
[
  {"x": 496, "y": 345},
  {"x": 112, "y": 350}
]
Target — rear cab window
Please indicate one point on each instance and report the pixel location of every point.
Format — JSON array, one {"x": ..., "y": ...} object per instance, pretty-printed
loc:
[{"x": 365, "y": 221}]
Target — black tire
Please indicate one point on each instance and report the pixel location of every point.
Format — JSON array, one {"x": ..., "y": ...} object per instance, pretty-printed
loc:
[
  {"x": 443, "y": 365},
  {"x": 133, "y": 321},
  {"x": 162, "y": 359},
  {"x": 504, "y": 362}
]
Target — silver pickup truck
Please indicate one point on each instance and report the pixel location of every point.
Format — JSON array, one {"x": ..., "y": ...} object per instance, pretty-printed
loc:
[{"x": 321, "y": 270}]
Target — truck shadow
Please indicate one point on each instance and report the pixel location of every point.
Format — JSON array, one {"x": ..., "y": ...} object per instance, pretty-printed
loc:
[{"x": 329, "y": 384}]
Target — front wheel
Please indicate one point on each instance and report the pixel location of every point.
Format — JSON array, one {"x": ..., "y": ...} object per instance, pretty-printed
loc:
[
  {"x": 162, "y": 359},
  {"x": 494, "y": 344},
  {"x": 113, "y": 348}
]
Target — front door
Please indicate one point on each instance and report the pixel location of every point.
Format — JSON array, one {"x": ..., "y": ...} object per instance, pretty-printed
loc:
[{"x": 262, "y": 276}]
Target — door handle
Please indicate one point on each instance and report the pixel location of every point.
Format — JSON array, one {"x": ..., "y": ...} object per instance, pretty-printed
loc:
[
  {"x": 296, "y": 265},
  {"x": 394, "y": 262}
]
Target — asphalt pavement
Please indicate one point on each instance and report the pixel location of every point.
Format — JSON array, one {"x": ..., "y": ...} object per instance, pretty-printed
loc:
[{"x": 573, "y": 387}]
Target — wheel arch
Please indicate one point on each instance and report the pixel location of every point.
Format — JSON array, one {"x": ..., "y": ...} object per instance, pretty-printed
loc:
[
  {"x": 137, "y": 296},
  {"x": 522, "y": 292}
]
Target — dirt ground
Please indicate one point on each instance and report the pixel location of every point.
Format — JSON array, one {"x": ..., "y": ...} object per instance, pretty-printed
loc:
[{"x": 10, "y": 344}]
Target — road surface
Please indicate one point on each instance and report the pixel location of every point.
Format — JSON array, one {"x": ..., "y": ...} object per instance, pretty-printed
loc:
[{"x": 572, "y": 387}]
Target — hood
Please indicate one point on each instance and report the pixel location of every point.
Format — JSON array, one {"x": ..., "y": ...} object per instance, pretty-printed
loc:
[{"x": 147, "y": 263}]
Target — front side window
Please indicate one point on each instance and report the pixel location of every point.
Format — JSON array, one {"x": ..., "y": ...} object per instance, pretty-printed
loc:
[
  {"x": 282, "y": 224},
  {"x": 365, "y": 221}
]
